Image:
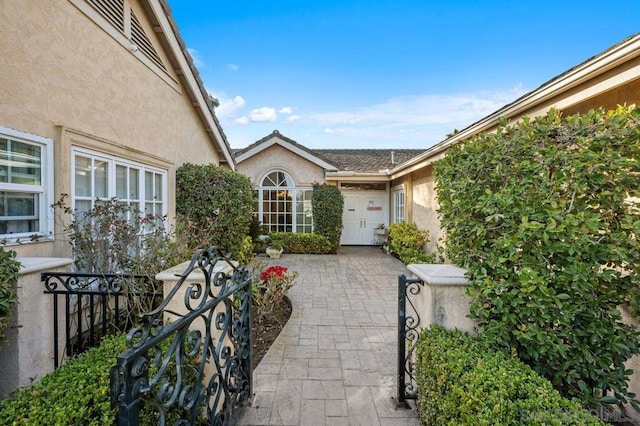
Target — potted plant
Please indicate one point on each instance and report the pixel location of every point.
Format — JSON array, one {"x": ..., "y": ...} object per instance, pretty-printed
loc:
[
  {"x": 275, "y": 248},
  {"x": 380, "y": 229}
]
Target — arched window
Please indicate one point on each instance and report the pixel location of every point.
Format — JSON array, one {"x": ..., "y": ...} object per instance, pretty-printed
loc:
[{"x": 282, "y": 207}]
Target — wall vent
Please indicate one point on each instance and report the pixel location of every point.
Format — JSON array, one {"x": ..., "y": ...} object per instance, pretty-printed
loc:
[
  {"x": 115, "y": 12},
  {"x": 140, "y": 39},
  {"x": 111, "y": 10}
]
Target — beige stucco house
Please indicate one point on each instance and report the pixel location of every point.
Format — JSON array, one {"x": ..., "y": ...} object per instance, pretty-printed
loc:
[
  {"x": 387, "y": 186},
  {"x": 100, "y": 99},
  {"x": 283, "y": 172}
]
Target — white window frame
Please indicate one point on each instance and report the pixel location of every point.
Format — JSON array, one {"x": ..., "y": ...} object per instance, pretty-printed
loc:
[
  {"x": 113, "y": 161},
  {"x": 290, "y": 187},
  {"x": 399, "y": 205},
  {"x": 44, "y": 190}
]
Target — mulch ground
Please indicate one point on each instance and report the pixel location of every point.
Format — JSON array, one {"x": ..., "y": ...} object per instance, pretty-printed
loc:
[{"x": 264, "y": 333}]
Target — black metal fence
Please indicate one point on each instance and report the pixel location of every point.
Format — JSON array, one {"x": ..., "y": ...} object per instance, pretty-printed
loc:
[
  {"x": 95, "y": 305},
  {"x": 408, "y": 323},
  {"x": 197, "y": 365}
]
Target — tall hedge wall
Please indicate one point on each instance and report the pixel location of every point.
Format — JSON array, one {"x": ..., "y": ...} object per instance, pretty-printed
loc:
[
  {"x": 215, "y": 205},
  {"x": 543, "y": 216},
  {"x": 327, "y": 204}
]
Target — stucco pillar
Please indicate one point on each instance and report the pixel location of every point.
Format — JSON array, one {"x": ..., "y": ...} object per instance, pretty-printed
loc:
[
  {"x": 28, "y": 352},
  {"x": 442, "y": 300}
]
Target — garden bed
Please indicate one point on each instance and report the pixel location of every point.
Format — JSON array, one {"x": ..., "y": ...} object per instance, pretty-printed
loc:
[{"x": 264, "y": 333}]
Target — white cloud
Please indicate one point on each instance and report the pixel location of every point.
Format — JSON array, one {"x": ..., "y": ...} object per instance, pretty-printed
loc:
[
  {"x": 229, "y": 106},
  {"x": 233, "y": 67},
  {"x": 408, "y": 121},
  {"x": 195, "y": 56},
  {"x": 262, "y": 115},
  {"x": 285, "y": 110},
  {"x": 412, "y": 121}
]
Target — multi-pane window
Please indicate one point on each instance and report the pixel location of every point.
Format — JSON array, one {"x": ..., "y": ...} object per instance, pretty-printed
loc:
[
  {"x": 398, "y": 206},
  {"x": 25, "y": 183},
  {"x": 304, "y": 216},
  {"x": 99, "y": 176},
  {"x": 282, "y": 207}
]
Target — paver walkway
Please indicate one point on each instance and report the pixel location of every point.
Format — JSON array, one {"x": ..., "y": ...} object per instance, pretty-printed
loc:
[{"x": 335, "y": 361}]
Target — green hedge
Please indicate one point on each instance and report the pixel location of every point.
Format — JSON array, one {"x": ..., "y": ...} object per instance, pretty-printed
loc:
[
  {"x": 327, "y": 204},
  {"x": 542, "y": 215},
  {"x": 462, "y": 381},
  {"x": 409, "y": 242},
  {"x": 303, "y": 242},
  {"x": 9, "y": 268},
  {"x": 215, "y": 207},
  {"x": 75, "y": 394}
]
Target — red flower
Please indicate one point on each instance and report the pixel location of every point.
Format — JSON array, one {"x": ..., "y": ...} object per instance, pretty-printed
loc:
[{"x": 275, "y": 271}]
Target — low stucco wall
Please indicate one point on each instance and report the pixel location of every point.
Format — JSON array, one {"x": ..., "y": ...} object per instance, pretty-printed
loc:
[
  {"x": 442, "y": 300},
  {"x": 29, "y": 352}
]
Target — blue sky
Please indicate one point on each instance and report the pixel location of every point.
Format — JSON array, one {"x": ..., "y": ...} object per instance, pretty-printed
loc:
[{"x": 384, "y": 74}]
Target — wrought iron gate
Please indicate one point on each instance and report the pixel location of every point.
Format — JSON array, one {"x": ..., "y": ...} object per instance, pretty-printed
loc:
[
  {"x": 408, "y": 323},
  {"x": 198, "y": 364},
  {"x": 94, "y": 306}
]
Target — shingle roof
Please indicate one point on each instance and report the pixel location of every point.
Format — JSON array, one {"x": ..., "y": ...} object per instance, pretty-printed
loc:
[
  {"x": 355, "y": 160},
  {"x": 367, "y": 160},
  {"x": 279, "y": 135}
]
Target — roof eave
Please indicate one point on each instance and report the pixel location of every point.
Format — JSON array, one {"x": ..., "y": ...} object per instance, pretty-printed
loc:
[
  {"x": 277, "y": 139},
  {"x": 189, "y": 74},
  {"x": 620, "y": 53}
]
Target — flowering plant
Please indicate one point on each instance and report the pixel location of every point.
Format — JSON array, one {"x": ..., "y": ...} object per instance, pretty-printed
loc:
[
  {"x": 273, "y": 272},
  {"x": 271, "y": 286}
]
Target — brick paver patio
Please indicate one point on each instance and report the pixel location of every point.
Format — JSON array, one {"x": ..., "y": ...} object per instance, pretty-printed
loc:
[{"x": 335, "y": 361}]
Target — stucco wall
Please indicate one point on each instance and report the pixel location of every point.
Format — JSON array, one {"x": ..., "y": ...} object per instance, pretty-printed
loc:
[
  {"x": 424, "y": 206},
  {"x": 61, "y": 71},
  {"x": 303, "y": 172}
]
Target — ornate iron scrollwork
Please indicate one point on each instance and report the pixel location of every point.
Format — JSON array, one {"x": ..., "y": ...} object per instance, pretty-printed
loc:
[
  {"x": 408, "y": 323},
  {"x": 200, "y": 362}
]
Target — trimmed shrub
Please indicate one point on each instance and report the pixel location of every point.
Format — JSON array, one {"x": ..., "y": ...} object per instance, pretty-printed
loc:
[
  {"x": 543, "y": 217},
  {"x": 9, "y": 268},
  {"x": 463, "y": 381},
  {"x": 78, "y": 393},
  {"x": 327, "y": 204},
  {"x": 215, "y": 207},
  {"x": 302, "y": 242},
  {"x": 408, "y": 242}
]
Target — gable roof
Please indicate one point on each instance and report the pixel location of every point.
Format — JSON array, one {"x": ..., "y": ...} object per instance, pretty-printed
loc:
[
  {"x": 368, "y": 160},
  {"x": 167, "y": 32},
  {"x": 275, "y": 138},
  {"x": 371, "y": 161}
]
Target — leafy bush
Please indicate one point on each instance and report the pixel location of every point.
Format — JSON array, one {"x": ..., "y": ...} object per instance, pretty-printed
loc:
[
  {"x": 76, "y": 394},
  {"x": 215, "y": 207},
  {"x": 540, "y": 214},
  {"x": 462, "y": 381},
  {"x": 408, "y": 242},
  {"x": 327, "y": 204},
  {"x": 305, "y": 243},
  {"x": 114, "y": 237},
  {"x": 244, "y": 254},
  {"x": 270, "y": 285},
  {"x": 9, "y": 268}
]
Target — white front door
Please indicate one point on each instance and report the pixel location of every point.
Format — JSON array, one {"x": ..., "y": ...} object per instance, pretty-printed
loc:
[{"x": 363, "y": 212}]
